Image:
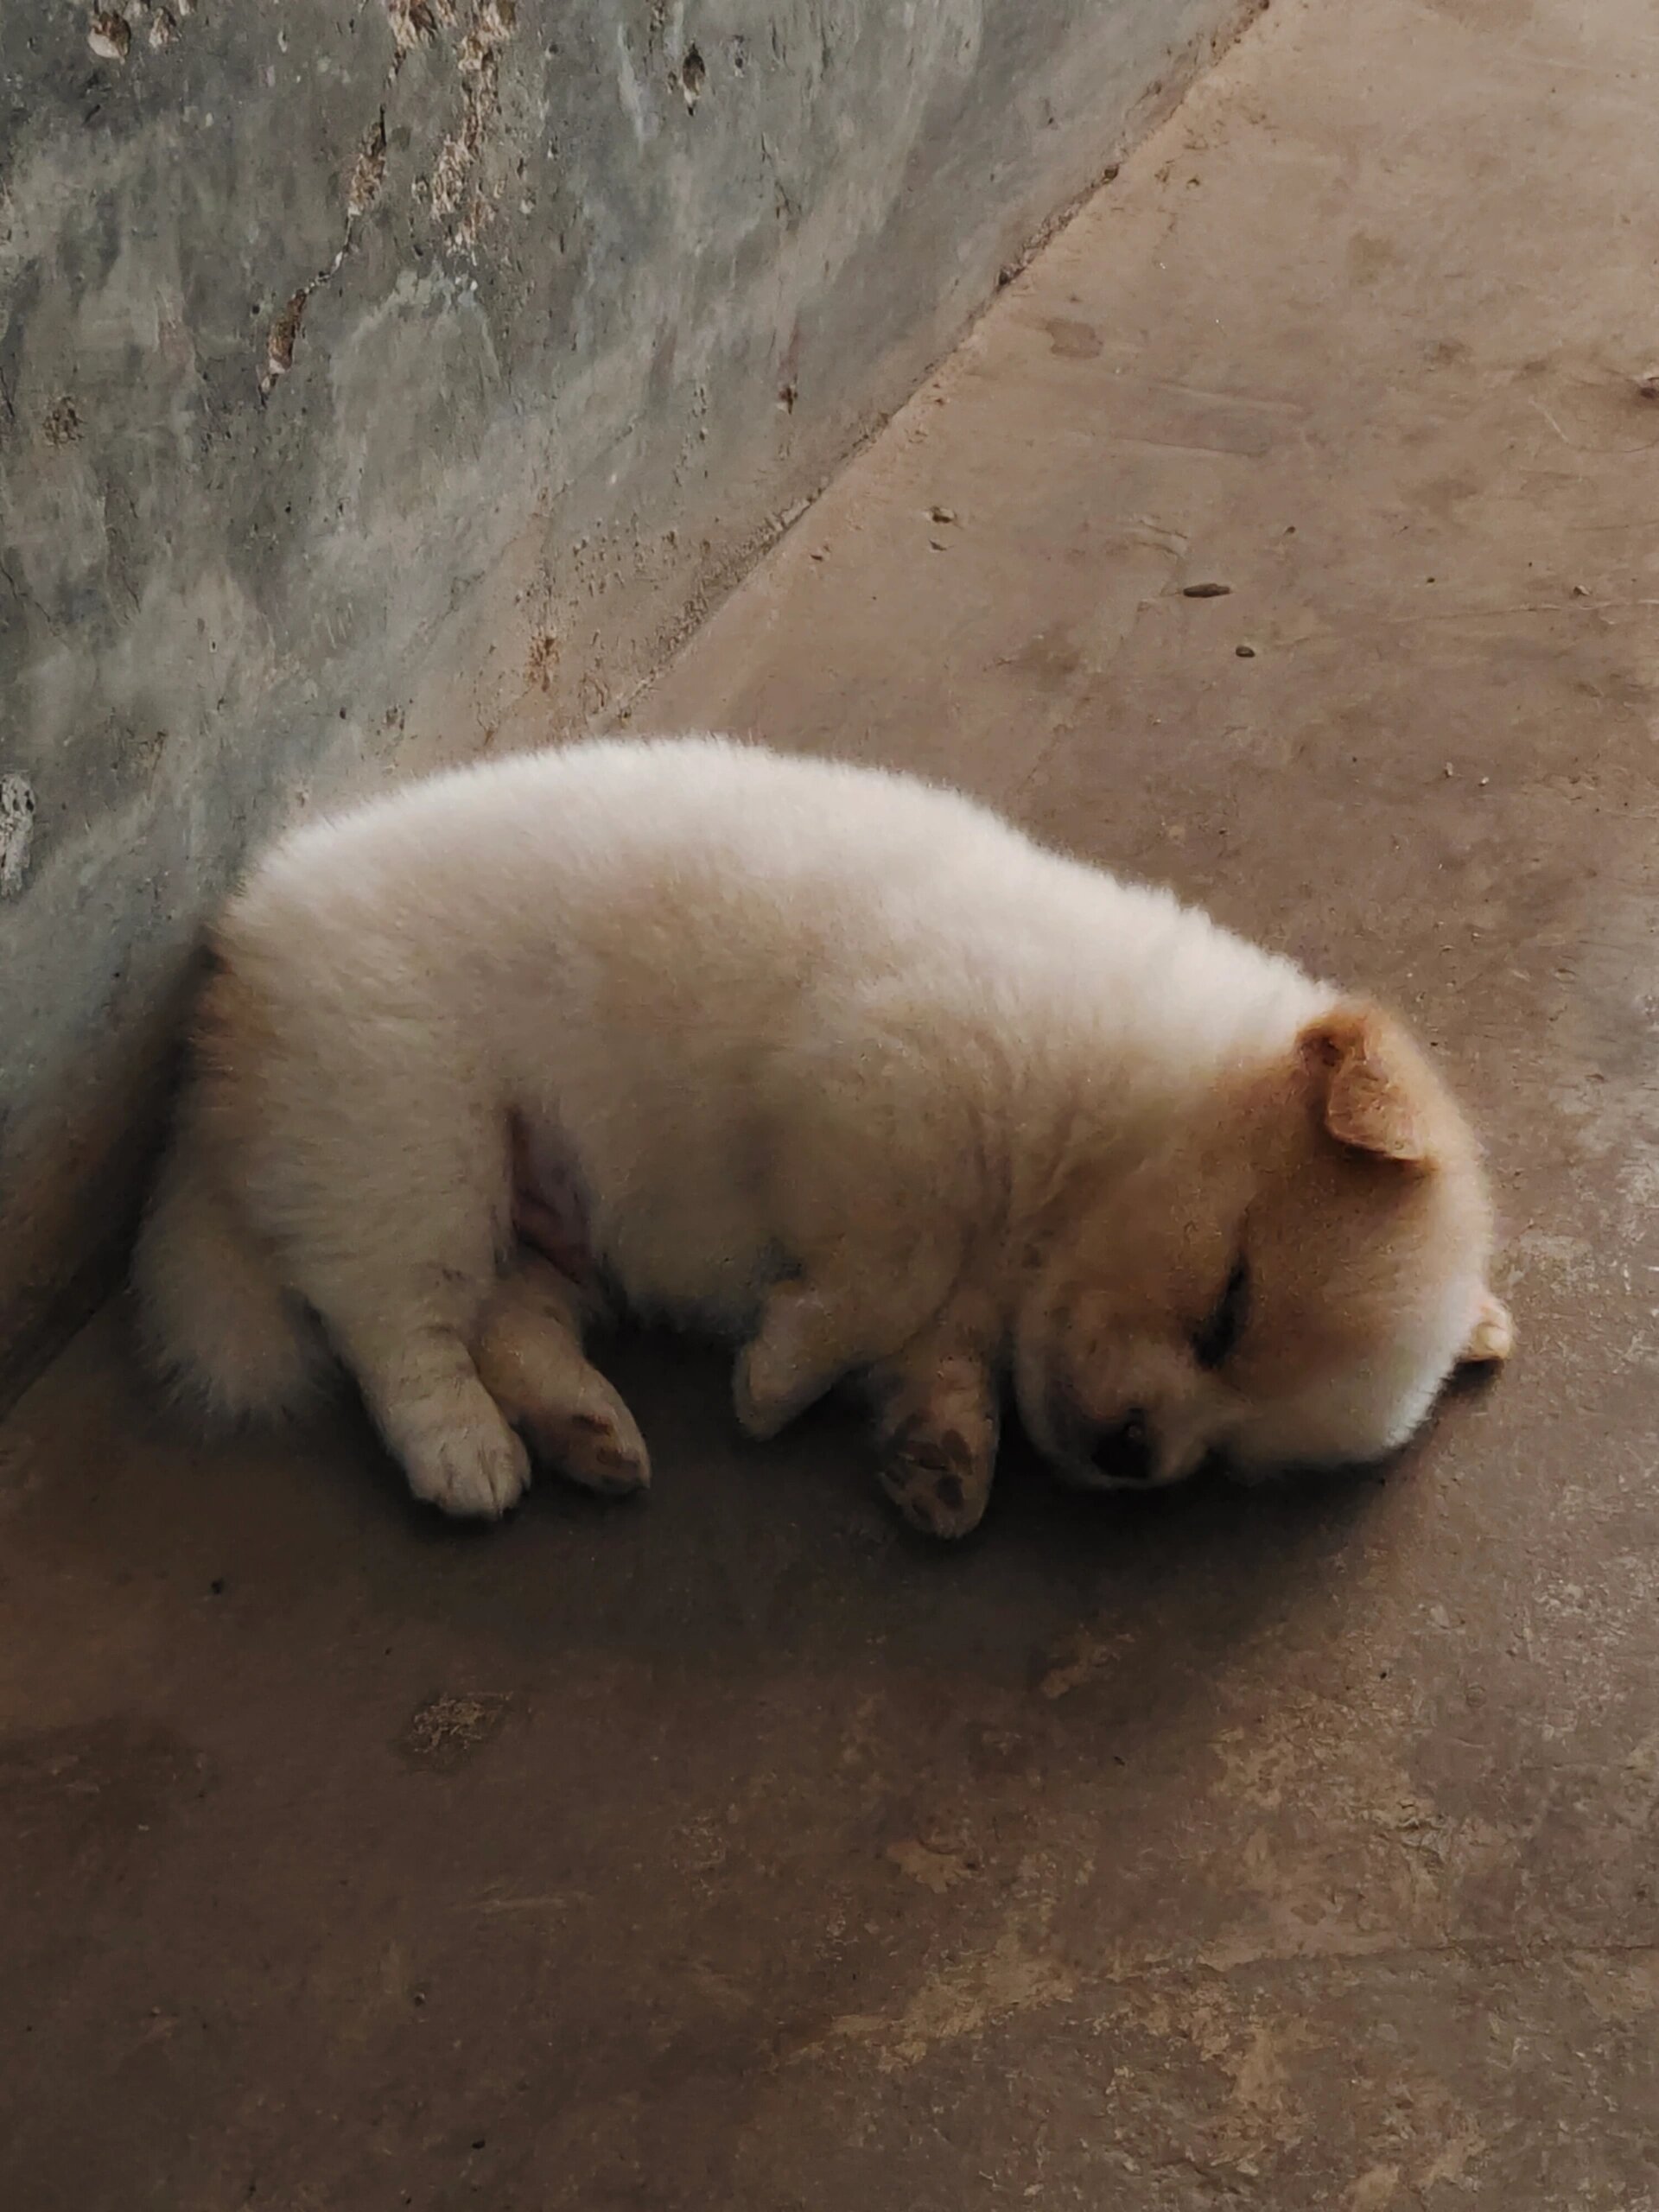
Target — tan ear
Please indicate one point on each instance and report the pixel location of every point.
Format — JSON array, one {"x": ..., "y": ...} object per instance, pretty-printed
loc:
[
  {"x": 1368, "y": 1085},
  {"x": 1493, "y": 1337}
]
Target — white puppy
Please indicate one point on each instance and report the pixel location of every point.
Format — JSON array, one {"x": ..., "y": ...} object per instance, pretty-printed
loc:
[{"x": 827, "y": 1058}]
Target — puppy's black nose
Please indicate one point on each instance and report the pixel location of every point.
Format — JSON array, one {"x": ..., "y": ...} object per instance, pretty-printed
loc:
[{"x": 1124, "y": 1454}]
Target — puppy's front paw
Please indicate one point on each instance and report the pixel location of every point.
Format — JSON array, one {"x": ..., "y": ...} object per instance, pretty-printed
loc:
[
  {"x": 768, "y": 1391},
  {"x": 796, "y": 1354},
  {"x": 474, "y": 1471},
  {"x": 759, "y": 1398},
  {"x": 936, "y": 1481}
]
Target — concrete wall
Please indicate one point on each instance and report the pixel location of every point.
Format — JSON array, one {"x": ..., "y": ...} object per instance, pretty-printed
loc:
[{"x": 382, "y": 382}]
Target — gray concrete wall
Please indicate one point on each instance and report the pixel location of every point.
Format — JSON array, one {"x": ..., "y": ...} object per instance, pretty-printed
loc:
[{"x": 380, "y": 383}]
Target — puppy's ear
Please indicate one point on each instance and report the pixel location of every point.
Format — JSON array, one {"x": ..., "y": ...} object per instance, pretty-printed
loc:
[
  {"x": 1492, "y": 1337},
  {"x": 1369, "y": 1088}
]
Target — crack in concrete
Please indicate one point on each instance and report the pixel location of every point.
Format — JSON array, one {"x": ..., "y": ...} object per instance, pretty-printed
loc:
[
  {"x": 282, "y": 335},
  {"x": 412, "y": 22}
]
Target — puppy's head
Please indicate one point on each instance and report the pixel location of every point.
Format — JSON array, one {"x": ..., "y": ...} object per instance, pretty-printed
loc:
[{"x": 1289, "y": 1279}]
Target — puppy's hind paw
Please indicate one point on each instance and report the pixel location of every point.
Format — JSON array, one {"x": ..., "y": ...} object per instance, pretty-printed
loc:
[
  {"x": 1492, "y": 1338},
  {"x": 473, "y": 1472},
  {"x": 594, "y": 1442}
]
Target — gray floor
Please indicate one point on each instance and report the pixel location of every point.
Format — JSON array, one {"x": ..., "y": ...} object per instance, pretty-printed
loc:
[{"x": 1287, "y": 1850}]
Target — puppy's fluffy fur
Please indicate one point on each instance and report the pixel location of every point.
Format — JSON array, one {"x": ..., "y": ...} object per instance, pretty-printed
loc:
[{"x": 842, "y": 1065}]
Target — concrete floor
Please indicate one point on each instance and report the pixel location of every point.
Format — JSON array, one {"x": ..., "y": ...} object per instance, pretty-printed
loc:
[{"x": 1285, "y": 1851}]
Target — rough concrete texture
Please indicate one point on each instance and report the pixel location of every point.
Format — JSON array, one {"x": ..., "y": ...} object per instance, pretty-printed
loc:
[
  {"x": 1291, "y": 1851},
  {"x": 366, "y": 372}
]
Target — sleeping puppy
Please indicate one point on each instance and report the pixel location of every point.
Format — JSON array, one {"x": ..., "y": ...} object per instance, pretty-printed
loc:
[{"x": 828, "y": 1060}]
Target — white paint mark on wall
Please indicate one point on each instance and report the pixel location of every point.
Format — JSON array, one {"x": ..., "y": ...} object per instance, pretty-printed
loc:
[
  {"x": 108, "y": 34},
  {"x": 635, "y": 105},
  {"x": 16, "y": 832}
]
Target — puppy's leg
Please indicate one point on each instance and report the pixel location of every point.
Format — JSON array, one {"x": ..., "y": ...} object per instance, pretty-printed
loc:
[
  {"x": 399, "y": 1264},
  {"x": 808, "y": 1338},
  {"x": 937, "y": 1418},
  {"x": 937, "y": 1426},
  {"x": 423, "y": 1392},
  {"x": 531, "y": 1360},
  {"x": 810, "y": 1334},
  {"x": 1492, "y": 1339},
  {"x": 834, "y": 1317}
]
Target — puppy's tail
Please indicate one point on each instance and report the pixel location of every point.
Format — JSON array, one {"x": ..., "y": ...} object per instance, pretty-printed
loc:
[{"x": 216, "y": 1321}]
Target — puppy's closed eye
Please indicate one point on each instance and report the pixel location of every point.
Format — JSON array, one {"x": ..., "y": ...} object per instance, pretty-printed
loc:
[{"x": 1214, "y": 1339}]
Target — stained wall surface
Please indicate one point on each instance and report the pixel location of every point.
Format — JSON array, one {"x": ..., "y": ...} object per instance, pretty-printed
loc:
[{"x": 373, "y": 373}]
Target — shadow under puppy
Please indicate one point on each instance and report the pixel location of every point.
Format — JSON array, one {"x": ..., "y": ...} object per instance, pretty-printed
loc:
[{"x": 832, "y": 1061}]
